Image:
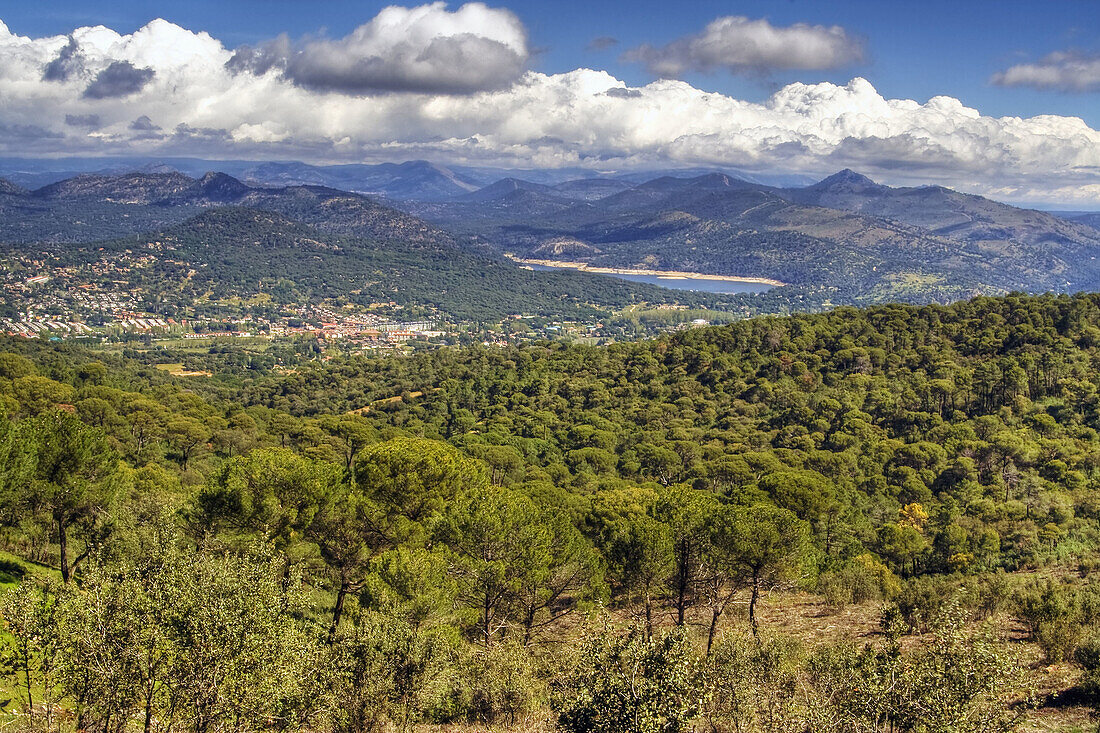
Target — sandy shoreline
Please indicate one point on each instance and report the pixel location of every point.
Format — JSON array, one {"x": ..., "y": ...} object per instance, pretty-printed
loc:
[{"x": 585, "y": 267}]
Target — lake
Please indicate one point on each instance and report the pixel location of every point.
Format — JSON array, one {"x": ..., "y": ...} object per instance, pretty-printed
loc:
[{"x": 702, "y": 284}]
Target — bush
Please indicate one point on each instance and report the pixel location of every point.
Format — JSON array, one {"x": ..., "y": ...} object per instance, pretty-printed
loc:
[
  {"x": 1058, "y": 639},
  {"x": 918, "y": 602},
  {"x": 1045, "y": 603},
  {"x": 752, "y": 685},
  {"x": 387, "y": 670},
  {"x": 993, "y": 593},
  {"x": 1059, "y": 615},
  {"x": 1088, "y": 654},
  {"x": 625, "y": 684},
  {"x": 865, "y": 578},
  {"x": 503, "y": 684},
  {"x": 959, "y": 679}
]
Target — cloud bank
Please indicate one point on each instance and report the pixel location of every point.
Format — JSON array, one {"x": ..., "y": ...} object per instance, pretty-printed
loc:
[
  {"x": 422, "y": 49},
  {"x": 745, "y": 46},
  {"x": 1067, "y": 71},
  {"x": 173, "y": 91}
]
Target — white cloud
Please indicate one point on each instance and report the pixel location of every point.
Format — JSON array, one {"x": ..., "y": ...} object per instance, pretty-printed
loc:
[
  {"x": 194, "y": 105},
  {"x": 423, "y": 49},
  {"x": 1068, "y": 71},
  {"x": 743, "y": 45}
]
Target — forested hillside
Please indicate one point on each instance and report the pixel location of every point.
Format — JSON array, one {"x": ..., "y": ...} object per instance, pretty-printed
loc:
[
  {"x": 238, "y": 253},
  {"x": 881, "y": 519}
]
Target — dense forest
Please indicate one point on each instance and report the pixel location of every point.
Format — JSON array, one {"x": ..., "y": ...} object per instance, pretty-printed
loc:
[{"x": 861, "y": 520}]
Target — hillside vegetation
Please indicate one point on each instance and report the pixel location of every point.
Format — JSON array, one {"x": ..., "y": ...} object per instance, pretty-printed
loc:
[{"x": 255, "y": 551}]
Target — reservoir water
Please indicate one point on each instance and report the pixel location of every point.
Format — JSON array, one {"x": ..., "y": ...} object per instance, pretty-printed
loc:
[{"x": 703, "y": 284}]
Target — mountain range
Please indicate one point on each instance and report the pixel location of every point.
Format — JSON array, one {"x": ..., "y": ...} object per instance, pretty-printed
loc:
[
  {"x": 860, "y": 240},
  {"x": 216, "y": 237},
  {"x": 873, "y": 242},
  {"x": 412, "y": 180}
]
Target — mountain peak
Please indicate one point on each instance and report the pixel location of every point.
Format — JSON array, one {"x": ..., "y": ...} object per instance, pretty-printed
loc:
[
  {"x": 847, "y": 180},
  {"x": 134, "y": 187},
  {"x": 714, "y": 179},
  {"x": 504, "y": 187},
  {"x": 221, "y": 187}
]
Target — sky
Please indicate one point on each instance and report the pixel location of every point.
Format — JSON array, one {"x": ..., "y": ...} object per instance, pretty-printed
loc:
[{"x": 997, "y": 98}]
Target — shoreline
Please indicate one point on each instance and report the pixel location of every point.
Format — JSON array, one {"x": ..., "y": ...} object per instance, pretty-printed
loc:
[{"x": 585, "y": 267}]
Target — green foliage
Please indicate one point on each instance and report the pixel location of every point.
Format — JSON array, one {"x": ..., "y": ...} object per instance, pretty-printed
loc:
[
  {"x": 1059, "y": 615},
  {"x": 459, "y": 531},
  {"x": 504, "y": 686},
  {"x": 959, "y": 680},
  {"x": 183, "y": 637},
  {"x": 626, "y": 684},
  {"x": 64, "y": 474},
  {"x": 863, "y": 578},
  {"x": 754, "y": 685},
  {"x": 385, "y": 669}
]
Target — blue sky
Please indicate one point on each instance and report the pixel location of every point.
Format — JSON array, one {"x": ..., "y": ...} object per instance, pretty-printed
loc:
[
  {"x": 998, "y": 98},
  {"x": 916, "y": 49}
]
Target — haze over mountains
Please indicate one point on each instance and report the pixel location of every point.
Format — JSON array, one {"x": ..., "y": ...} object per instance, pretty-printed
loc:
[
  {"x": 860, "y": 240},
  {"x": 414, "y": 179}
]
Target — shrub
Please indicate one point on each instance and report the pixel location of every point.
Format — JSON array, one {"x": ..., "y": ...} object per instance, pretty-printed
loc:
[
  {"x": 1088, "y": 655},
  {"x": 1058, "y": 639},
  {"x": 503, "y": 684},
  {"x": 752, "y": 685},
  {"x": 625, "y": 684},
  {"x": 864, "y": 578},
  {"x": 918, "y": 602}
]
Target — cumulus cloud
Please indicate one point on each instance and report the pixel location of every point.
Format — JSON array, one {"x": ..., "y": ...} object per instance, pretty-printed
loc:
[
  {"x": 1067, "y": 71},
  {"x": 67, "y": 63},
  {"x": 143, "y": 124},
  {"x": 743, "y": 45},
  {"x": 579, "y": 118},
  {"x": 422, "y": 49},
  {"x": 120, "y": 79}
]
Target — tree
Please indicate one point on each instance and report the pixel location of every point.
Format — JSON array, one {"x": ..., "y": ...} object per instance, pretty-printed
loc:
[
  {"x": 348, "y": 529},
  {"x": 501, "y": 549},
  {"x": 765, "y": 545},
  {"x": 67, "y": 474},
  {"x": 29, "y": 644},
  {"x": 415, "y": 478},
  {"x": 272, "y": 491},
  {"x": 352, "y": 433},
  {"x": 641, "y": 558},
  {"x": 684, "y": 511},
  {"x": 185, "y": 435},
  {"x": 553, "y": 586}
]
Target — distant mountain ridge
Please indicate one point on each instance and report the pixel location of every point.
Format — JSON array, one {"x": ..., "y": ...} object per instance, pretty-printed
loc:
[
  {"x": 90, "y": 206},
  {"x": 410, "y": 180},
  {"x": 867, "y": 241},
  {"x": 940, "y": 210},
  {"x": 872, "y": 241}
]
